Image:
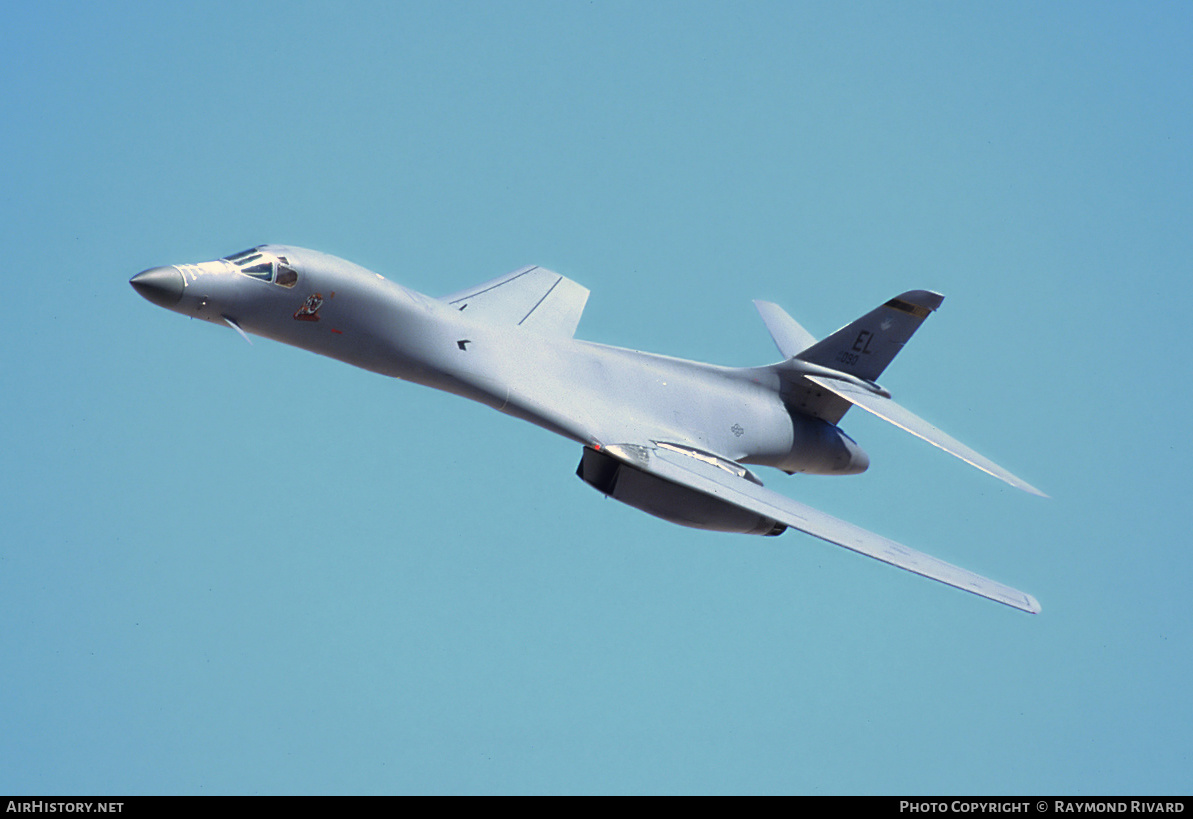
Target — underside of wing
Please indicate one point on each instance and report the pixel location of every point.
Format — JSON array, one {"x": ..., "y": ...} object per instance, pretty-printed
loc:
[
  {"x": 533, "y": 297},
  {"x": 670, "y": 482},
  {"x": 893, "y": 413}
]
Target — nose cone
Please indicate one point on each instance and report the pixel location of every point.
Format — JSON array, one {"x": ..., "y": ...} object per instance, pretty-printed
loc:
[{"x": 161, "y": 285}]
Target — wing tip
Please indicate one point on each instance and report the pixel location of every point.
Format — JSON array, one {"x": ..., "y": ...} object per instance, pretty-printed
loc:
[
  {"x": 1014, "y": 481},
  {"x": 1032, "y": 490}
]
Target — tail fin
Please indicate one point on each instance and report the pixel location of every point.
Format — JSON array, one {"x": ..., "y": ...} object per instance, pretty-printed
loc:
[
  {"x": 787, "y": 333},
  {"x": 865, "y": 347}
]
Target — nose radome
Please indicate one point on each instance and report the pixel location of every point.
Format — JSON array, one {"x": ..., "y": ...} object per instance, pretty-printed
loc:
[{"x": 161, "y": 285}]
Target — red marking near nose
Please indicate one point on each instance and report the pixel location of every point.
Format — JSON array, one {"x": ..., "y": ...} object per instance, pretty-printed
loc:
[{"x": 337, "y": 332}]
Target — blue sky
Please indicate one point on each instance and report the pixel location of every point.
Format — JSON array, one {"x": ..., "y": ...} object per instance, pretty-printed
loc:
[{"x": 235, "y": 569}]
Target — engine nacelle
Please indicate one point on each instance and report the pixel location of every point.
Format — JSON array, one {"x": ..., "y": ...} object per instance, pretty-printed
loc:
[
  {"x": 667, "y": 500},
  {"x": 817, "y": 448}
]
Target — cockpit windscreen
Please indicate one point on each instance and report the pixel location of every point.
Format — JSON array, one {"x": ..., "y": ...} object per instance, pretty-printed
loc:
[{"x": 267, "y": 267}]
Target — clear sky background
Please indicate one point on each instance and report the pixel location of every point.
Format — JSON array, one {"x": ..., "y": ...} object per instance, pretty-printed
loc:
[{"x": 246, "y": 569}]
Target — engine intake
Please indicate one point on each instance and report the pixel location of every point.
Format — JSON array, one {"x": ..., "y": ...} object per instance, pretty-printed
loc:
[{"x": 667, "y": 500}]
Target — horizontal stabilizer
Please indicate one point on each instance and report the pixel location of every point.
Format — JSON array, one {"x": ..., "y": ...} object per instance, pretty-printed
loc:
[
  {"x": 889, "y": 411},
  {"x": 789, "y": 336},
  {"x": 679, "y": 468},
  {"x": 532, "y": 297}
]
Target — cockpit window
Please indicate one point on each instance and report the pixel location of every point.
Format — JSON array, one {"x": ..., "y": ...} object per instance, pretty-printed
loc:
[
  {"x": 261, "y": 265},
  {"x": 264, "y": 270},
  {"x": 287, "y": 276}
]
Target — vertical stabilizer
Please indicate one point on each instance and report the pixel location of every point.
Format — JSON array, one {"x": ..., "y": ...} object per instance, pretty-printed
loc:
[
  {"x": 865, "y": 347},
  {"x": 787, "y": 333}
]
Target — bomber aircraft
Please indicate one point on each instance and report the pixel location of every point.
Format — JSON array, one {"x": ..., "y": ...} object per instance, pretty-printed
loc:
[{"x": 668, "y": 436}]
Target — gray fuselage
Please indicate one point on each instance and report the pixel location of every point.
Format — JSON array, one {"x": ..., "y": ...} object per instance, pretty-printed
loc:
[{"x": 592, "y": 393}]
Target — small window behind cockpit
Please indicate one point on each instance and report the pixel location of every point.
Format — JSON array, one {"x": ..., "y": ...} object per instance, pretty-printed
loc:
[{"x": 287, "y": 276}]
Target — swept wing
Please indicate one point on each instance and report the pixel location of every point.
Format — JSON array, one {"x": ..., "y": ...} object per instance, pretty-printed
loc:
[
  {"x": 707, "y": 476},
  {"x": 532, "y": 297},
  {"x": 889, "y": 411}
]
